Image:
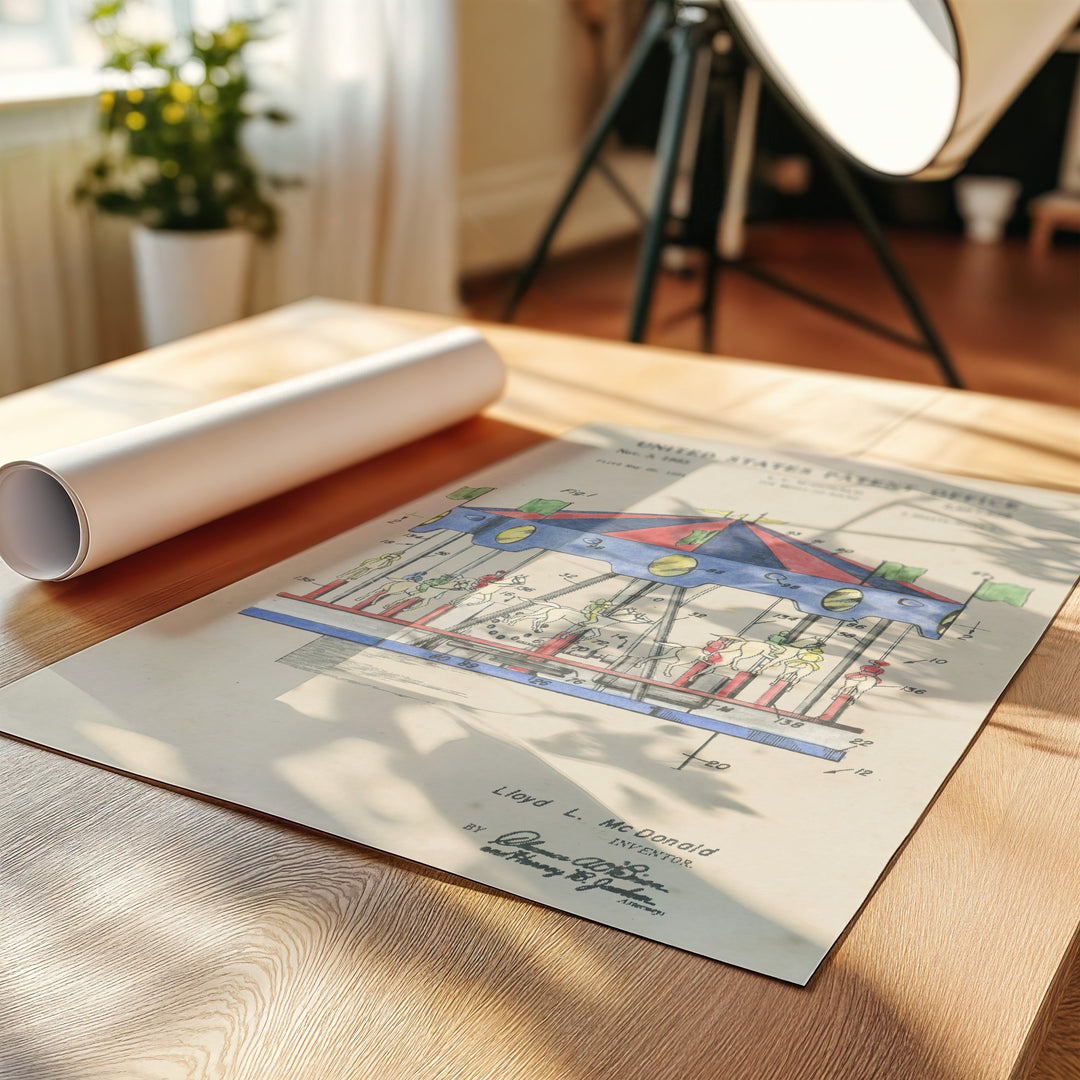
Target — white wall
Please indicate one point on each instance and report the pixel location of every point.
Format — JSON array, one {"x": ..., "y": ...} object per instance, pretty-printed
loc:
[{"x": 526, "y": 96}]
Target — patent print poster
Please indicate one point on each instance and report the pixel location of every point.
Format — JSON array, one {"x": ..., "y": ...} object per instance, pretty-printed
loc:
[{"x": 696, "y": 692}]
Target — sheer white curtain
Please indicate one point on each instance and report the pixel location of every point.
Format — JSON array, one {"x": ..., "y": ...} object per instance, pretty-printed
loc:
[
  {"x": 373, "y": 143},
  {"x": 46, "y": 310},
  {"x": 372, "y": 85}
]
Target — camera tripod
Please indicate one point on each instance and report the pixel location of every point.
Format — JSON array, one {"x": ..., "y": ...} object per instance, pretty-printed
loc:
[{"x": 690, "y": 27}]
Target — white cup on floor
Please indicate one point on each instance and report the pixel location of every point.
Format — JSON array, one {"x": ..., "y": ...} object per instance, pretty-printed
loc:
[{"x": 986, "y": 203}]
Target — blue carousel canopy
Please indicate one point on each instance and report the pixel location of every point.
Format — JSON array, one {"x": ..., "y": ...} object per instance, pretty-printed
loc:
[{"x": 692, "y": 551}]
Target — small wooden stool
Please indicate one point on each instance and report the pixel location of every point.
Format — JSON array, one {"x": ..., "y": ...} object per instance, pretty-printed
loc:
[{"x": 1049, "y": 212}]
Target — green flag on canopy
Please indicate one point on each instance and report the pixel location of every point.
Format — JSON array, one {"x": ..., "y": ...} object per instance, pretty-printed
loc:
[
  {"x": 464, "y": 493},
  {"x": 543, "y": 507},
  {"x": 998, "y": 590},
  {"x": 894, "y": 571}
]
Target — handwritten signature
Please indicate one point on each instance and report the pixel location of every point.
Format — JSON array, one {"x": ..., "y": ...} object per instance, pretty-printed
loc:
[{"x": 626, "y": 880}]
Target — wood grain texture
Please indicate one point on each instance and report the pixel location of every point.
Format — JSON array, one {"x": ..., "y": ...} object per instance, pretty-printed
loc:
[{"x": 148, "y": 934}]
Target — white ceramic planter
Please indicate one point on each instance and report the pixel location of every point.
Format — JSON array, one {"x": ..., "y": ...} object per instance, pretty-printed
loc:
[
  {"x": 189, "y": 281},
  {"x": 986, "y": 203}
]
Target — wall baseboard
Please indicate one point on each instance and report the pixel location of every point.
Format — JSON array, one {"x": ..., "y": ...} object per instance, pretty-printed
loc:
[{"x": 503, "y": 209}]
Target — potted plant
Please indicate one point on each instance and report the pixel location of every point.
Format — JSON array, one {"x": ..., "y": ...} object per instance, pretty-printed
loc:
[{"x": 172, "y": 158}]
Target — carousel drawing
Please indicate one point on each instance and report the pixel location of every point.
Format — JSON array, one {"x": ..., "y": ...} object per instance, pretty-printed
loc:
[{"x": 716, "y": 622}]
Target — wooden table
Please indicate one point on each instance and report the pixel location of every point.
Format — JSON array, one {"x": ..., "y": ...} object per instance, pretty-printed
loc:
[{"x": 149, "y": 934}]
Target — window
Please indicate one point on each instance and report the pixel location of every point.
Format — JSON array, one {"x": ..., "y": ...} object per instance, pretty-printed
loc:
[
  {"x": 37, "y": 35},
  {"x": 47, "y": 51}
]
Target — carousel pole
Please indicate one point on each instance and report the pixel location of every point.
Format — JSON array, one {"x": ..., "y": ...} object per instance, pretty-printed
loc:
[
  {"x": 630, "y": 594},
  {"x": 800, "y": 628},
  {"x": 903, "y": 634},
  {"x": 627, "y": 650},
  {"x": 842, "y": 665},
  {"x": 663, "y": 629},
  {"x": 761, "y": 615},
  {"x": 872, "y": 671}
]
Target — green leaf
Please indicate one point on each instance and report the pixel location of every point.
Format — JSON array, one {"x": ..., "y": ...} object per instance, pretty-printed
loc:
[{"x": 108, "y": 9}]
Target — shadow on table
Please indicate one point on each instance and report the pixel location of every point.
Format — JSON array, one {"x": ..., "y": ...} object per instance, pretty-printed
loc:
[{"x": 150, "y": 932}]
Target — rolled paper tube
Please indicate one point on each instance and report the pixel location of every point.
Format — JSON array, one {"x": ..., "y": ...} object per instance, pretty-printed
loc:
[{"x": 70, "y": 511}]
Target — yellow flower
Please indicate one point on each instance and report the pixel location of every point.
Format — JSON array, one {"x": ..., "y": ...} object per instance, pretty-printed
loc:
[
  {"x": 135, "y": 96},
  {"x": 170, "y": 168},
  {"x": 135, "y": 121},
  {"x": 172, "y": 113},
  {"x": 181, "y": 91},
  {"x": 233, "y": 36},
  {"x": 106, "y": 100}
]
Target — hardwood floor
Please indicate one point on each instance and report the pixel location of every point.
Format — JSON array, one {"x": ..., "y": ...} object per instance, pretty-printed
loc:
[{"x": 1010, "y": 320}]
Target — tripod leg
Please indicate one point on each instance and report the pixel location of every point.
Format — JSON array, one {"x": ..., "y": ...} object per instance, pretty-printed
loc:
[
  {"x": 739, "y": 129},
  {"x": 869, "y": 223},
  {"x": 709, "y": 301},
  {"x": 686, "y": 38},
  {"x": 652, "y": 31}
]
